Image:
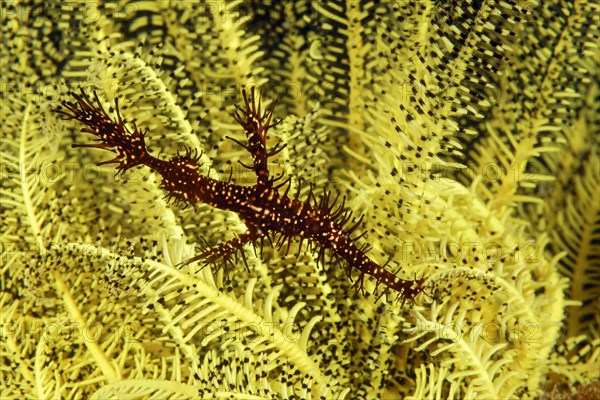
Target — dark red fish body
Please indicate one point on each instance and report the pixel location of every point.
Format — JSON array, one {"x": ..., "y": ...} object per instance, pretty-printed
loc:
[{"x": 265, "y": 211}]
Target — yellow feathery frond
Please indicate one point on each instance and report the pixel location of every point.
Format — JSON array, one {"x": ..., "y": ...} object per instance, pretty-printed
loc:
[{"x": 463, "y": 132}]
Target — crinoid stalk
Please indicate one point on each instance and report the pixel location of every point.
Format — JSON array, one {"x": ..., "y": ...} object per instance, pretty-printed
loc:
[{"x": 266, "y": 212}]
